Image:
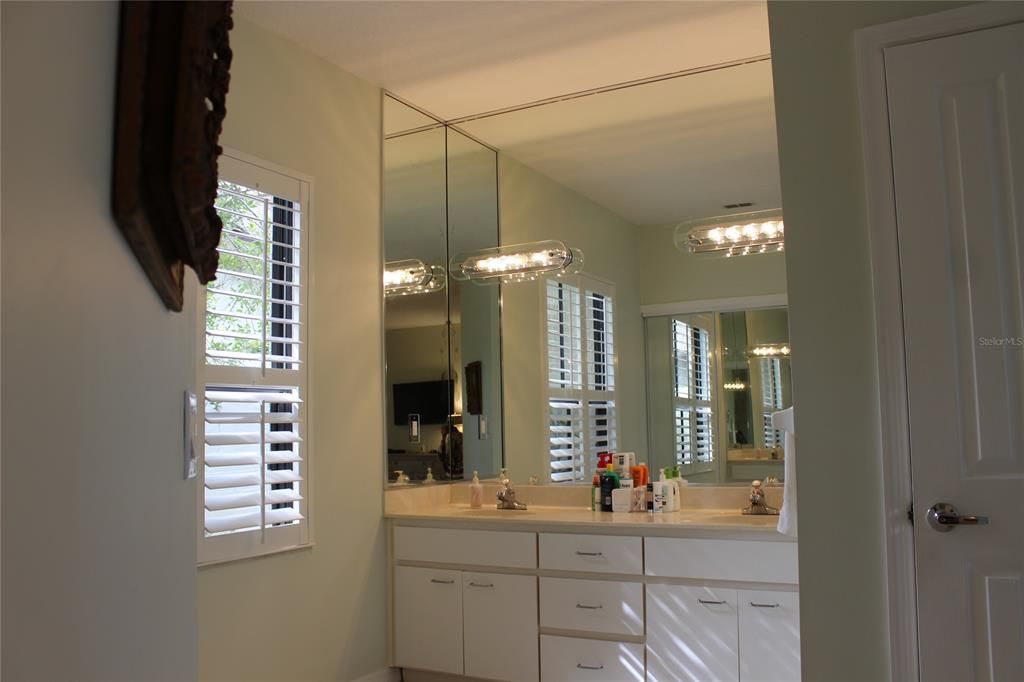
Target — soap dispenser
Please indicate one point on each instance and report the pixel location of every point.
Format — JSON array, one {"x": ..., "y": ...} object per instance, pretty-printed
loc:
[
  {"x": 430, "y": 476},
  {"x": 476, "y": 492}
]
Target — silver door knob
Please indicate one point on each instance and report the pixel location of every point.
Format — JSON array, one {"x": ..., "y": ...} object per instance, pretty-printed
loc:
[{"x": 943, "y": 517}]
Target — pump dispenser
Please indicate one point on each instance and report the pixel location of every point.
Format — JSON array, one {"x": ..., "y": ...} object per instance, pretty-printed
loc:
[{"x": 476, "y": 492}]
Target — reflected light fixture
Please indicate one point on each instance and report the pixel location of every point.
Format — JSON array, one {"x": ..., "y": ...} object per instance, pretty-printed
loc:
[
  {"x": 769, "y": 351},
  {"x": 742, "y": 234},
  {"x": 412, "y": 276},
  {"x": 734, "y": 386},
  {"x": 517, "y": 262}
]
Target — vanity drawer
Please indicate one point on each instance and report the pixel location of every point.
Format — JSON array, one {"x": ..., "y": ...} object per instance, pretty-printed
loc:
[
  {"x": 470, "y": 547},
  {"x": 592, "y": 553},
  {"x": 615, "y": 608},
  {"x": 749, "y": 560},
  {"x": 568, "y": 659}
]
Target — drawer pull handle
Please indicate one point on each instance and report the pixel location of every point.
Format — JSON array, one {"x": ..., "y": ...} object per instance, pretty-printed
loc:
[
  {"x": 711, "y": 602},
  {"x": 764, "y": 606},
  {"x": 481, "y": 584},
  {"x": 442, "y": 582},
  {"x": 588, "y": 606},
  {"x": 579, "y": 553},
  {"x": 589, "y": 667}
]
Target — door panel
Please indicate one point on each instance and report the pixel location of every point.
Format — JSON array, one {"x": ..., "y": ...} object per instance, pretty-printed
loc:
[
  {"x": 500, "y": 624},
  {"x": 956, "y": 109},
  {"x": 691, "y": 634},
  {"x": 428, "y": 619},
  {"x": 769, "y": 636}
]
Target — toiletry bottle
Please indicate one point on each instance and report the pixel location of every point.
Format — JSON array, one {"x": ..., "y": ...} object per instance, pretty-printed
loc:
[
  {"x": 669, "y": 491},
  {"x": 650, "y": 497},
  {"x": 636, "y": 473},
  {"x": 595, "y": 493},
  {"x": 476, "y": 492},
  {"x": 430, "y": 476},
  {"x": 609, "y": 482}
]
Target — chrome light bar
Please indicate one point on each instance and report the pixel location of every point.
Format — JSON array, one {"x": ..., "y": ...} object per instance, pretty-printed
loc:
[
  {"x": 517, "y": 262},
  {"x": 769, "y": 351},
  {"x": 412, "y": 276},
  {"x": 736, "y": 235}
]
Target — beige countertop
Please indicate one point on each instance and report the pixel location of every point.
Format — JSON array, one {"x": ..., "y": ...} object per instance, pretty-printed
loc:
[{"x": 720, "y": 520}]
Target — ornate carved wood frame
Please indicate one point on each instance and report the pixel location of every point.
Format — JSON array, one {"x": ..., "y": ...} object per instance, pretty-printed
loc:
[{"x": 173, "y": 72}]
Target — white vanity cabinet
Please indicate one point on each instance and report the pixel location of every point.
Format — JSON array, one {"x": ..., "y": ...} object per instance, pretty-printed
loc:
[
  {"x": 524, "y": 605},
  {"x": 500, "y": 626}
]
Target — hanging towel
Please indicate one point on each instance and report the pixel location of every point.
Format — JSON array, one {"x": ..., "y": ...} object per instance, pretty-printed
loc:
[{"x": 783, "y": 421}]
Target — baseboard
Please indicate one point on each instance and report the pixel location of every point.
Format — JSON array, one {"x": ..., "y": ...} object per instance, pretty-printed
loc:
[{"x": 382, "y": 675}]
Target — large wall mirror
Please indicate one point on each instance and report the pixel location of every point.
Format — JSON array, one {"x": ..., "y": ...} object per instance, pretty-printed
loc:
[
  {"x": 442, "y": 337},
  {"x": 577, "y": 365}
]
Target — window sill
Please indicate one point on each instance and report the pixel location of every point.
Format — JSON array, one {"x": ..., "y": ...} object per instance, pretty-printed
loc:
[{"x": 258, "y": 555}]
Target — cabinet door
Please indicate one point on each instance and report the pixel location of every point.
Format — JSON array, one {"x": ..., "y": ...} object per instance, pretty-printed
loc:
[
  {"x": 500, "y": 616},
  {"x": 428, "y": 619},
  {"x": 769, "y": 636},
  {"x": 691, "y": 634}
]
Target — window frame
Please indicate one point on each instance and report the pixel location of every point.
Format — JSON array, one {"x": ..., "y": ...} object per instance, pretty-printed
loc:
[
  {"x": 250, "y": 171},
  {"x": 585, "y": 395}
]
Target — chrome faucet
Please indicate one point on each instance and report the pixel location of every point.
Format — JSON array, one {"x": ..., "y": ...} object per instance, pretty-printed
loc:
[
  {"x": 507, "y": 496},
  {"x": 758, "y": 505}
]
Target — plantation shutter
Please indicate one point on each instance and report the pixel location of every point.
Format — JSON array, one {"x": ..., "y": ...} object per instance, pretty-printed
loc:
[
  {"x": 255, "y": 458},
  {"x": 252, "y": 458},
  {"x": 565, "y": 438},
  {"x": 694, "y": 415},
  {"x": 771, "y": 399},
  {"x": 580, "y": 357},
  {"x": 564, "y": 350}
]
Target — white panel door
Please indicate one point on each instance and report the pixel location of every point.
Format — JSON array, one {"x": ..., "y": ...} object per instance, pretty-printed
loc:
[
  {"x": 956, "y": 109},
  {"x": 691, "y": 634},
  {"x": 769, "y": 636},
  {"x": 428, "y": 619},
  {"x": 501, "y": 627}
]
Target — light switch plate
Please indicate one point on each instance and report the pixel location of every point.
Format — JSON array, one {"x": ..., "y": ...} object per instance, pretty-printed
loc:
[{"x": 191, "y": 428}]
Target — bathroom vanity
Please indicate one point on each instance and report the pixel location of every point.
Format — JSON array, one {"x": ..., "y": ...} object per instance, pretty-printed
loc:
[{"x": 563, "y": 593}]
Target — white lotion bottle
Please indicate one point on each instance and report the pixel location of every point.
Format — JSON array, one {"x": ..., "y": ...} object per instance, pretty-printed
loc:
[{"x": 476, "y": 492}]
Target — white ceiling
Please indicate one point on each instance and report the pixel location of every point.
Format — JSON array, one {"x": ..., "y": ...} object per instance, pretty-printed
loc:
[{"x": 670, "y": 151}]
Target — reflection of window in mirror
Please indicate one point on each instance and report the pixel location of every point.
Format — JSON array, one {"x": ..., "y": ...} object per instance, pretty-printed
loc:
[
  {"x": 771, "y": 399},
  {"x": 693, "y": 393},
  {"x": 580, "y": 356}
]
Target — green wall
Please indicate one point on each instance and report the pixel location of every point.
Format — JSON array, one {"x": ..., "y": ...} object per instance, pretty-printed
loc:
[
  {"x": 330, "y": 623},
  {"x": 842, "y": 580},
  {"x": 668, "y": 275}
]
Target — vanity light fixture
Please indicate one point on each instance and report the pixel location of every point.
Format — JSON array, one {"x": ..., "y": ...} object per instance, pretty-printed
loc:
[
  {"x": 734, "y": 386},
  {"x": 770, "y": 351},
  {"x": 517, "y": 262},
  {"x": 741, "y": 234},
  {"x": 412, "y": 276}
]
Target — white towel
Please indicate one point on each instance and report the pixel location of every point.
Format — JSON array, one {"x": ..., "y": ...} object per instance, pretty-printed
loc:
[{"x": 783, "y": 420}]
